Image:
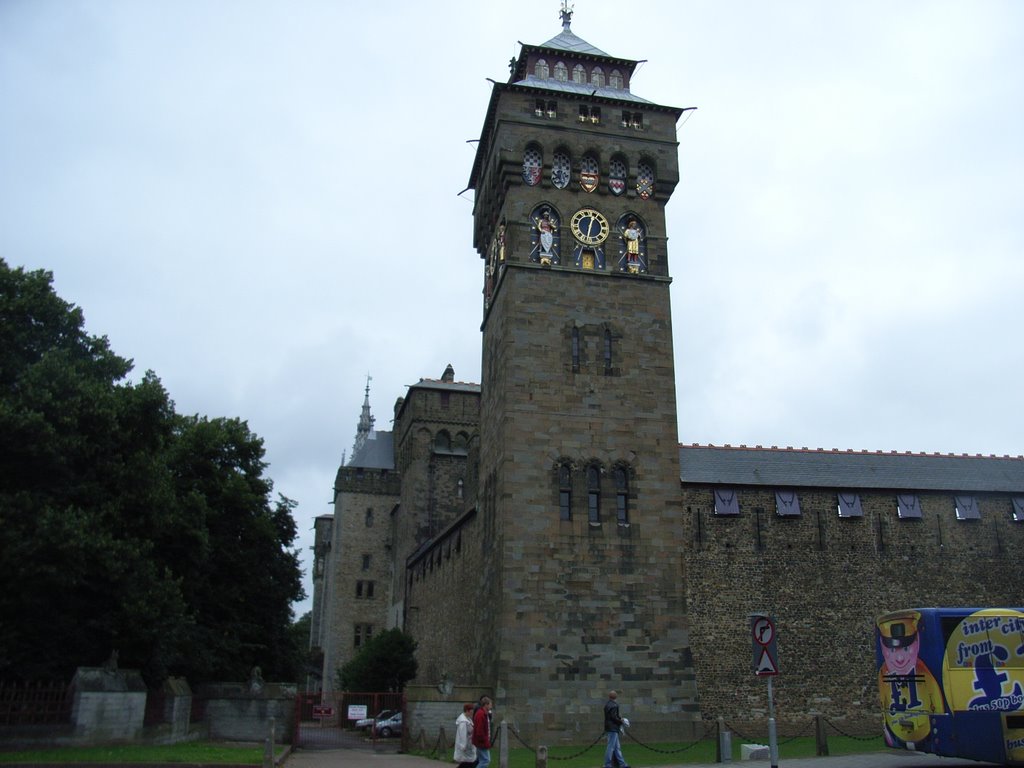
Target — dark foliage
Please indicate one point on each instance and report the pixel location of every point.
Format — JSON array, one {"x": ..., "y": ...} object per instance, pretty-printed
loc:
[{"x": 124, "y": 525}]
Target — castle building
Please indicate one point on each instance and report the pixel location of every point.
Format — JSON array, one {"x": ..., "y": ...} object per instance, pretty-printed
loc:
[{"x": 545, "y": 537}]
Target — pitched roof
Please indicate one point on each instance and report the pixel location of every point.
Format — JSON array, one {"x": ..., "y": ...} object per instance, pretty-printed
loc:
[
  {"x": 376, "y": 452},
  {"x": 791, "y": 467}
]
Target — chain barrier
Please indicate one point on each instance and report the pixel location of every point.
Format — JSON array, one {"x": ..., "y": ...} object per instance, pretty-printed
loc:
[
  {"x": 709, "y": 731},
  {"x": 841, "y": 732},
  {"x": 799, "y": 734},
  {"x": 635, "y": 740},
  {"x": 743, "y": 736}
]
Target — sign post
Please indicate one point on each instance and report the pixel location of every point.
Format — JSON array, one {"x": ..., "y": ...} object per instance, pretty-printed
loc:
[{"x": 765, "y": 658}]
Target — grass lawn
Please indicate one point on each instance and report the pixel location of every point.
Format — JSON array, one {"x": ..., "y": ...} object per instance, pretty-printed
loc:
[
  {"x": 648, "y": 756},
  {"x": 191, "y": 752}
]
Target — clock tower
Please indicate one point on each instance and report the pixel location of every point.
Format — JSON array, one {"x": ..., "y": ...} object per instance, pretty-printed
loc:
[{"x": 583, "y": 579}]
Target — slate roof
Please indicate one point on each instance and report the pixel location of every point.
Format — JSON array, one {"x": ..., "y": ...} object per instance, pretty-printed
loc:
[
  {"x": 581, "y": 89},
  {"x": 451, "y": 386},
  {"x": 567, "y": 40},
  {"x": 792, "y": 467},
  {"x": 377, "y": 452}
]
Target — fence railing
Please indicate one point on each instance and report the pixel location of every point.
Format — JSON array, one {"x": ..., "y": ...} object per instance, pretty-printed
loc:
[{"x": 35, "y": 703}]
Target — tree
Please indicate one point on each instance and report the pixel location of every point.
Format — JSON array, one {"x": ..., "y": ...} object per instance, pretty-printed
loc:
[
  {"x": 122, "y": 524},
  {"x": 384, "y": 663}
]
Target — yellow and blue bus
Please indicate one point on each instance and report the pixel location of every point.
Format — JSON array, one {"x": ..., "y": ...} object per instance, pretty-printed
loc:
[{"x": 951, "y": 681}]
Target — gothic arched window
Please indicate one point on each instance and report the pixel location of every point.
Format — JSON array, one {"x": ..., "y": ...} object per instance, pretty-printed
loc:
[
  {"x": 615, "y": 79},
  {"x": 540, "y": 69},
  {"x": 561, "y": 72},
  {"x": 564, "y": 491},
  {"x": 561, "y": 169},
  {"x": 621, "y": 478},
  {"x": 579, "y": 74},
  {"x": 533, "y": 163},
  {"x": 594, "y": 494},
  {"x": 645, "y": 180},
  {"x": 589, "y": 175},
  {"x": 597, "y": 77},
  {"x": 617, "y": 176}
]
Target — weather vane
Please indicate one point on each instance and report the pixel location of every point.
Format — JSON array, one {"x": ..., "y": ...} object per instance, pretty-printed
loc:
[{"x": 566, "y": 13}]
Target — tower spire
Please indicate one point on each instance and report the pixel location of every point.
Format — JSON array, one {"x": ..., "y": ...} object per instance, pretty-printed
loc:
[{"x": 365, "y": 428}]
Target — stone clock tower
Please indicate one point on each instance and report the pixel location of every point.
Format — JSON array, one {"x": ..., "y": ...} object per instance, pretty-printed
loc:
[{"x": 583, "y": 578}]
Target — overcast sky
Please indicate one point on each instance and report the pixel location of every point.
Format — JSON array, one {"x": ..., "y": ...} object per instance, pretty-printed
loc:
[{"x": 259, "y": 202}]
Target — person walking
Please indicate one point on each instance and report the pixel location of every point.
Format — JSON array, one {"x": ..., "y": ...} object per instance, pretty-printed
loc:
[
  {"x": 482, "y": 732},
  {"x": 613, "y": 723},
  {"x": 465, "y": 752}
]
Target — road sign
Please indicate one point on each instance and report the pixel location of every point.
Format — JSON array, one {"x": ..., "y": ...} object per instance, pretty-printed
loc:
[
  {"x": 765, "y": 656},
  {"x": 322, "y": 711}
]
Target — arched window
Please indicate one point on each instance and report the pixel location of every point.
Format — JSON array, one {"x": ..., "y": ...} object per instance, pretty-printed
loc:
[
  {"x": 645, "y": 180},
  {"x": 533, "y": 163},
  {"x": 607, "y": 352},
  {"x": 369, "y": 517},
  {"x": 597, "y": 77},
  {"x": 459, "y": 488},
  {"x": 617, "y": 176},
  {"x": 564, "y": 491},
  {"x": 561, "y": 169},
  {"x": 579, "y": 74},
  {"x": 589, "y": 176},
  {"x": 621, "y": 478},
  {"x": 443, "y": 442},
  {"x": 561, "y": 72},
  {"x": 540, "y": 69},
  {"x": 594, "y": 494},
  {"x": 615, "y": 79},
  {"x": 575, "y": 350}
]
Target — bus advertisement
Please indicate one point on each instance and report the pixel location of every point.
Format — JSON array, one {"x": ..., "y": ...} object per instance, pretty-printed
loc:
[{"x": 951, "y": 681}]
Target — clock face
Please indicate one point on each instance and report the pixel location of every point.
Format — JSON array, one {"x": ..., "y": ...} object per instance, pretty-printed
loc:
[{"x": 589, "y": 226}]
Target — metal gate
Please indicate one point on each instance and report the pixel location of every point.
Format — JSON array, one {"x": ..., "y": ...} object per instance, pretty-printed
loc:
[{"x": 371, "y": 721}]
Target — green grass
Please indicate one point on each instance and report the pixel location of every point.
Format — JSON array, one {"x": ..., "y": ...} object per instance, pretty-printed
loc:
[
  {"x": 189, "y": 752},
  {"x": 649, "y": 756}
]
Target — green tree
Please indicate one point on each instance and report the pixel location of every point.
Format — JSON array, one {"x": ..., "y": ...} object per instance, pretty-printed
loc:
[
  {"x": 122, "y": 524},
  {"x": 384, "y": 663}
]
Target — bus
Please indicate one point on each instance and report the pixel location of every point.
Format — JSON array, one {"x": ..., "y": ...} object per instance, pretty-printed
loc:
[{"x": 951, "y": 681}]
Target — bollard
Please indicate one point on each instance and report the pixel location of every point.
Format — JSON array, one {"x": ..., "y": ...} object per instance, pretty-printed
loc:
[
  {"x": 268, "y": 747},
  {"x": 725, "y": 747},
  {"x": 542, "y": 757},
  {"x": 503, "y": 749},
  {"x": 820, "y": 737}
]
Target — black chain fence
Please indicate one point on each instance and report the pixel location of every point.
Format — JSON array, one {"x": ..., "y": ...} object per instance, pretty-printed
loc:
[{"x": 711, "y": 729}]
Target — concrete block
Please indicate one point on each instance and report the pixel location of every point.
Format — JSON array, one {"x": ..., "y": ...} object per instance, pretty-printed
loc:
[{"x": 754, "y": 752}]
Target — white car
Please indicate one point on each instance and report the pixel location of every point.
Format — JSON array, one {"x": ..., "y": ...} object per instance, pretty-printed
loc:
[{"x": 368, "y": 722}]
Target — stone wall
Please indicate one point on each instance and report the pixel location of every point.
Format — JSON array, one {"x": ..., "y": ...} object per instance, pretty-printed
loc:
[
  {"x": 234, "y": 712},
  {"x": 107, "y": 704},
  {"x": 443, "y": 608},
  {"x": 825, "y": 579}
]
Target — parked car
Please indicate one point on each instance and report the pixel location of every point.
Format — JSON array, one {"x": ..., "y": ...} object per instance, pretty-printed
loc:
[
  {"x": 392, "y": 726},
  {"x": 366, "y": 722}
]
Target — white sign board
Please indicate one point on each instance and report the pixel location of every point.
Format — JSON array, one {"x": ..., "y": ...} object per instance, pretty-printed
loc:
[{"x": 356, "y": 711}]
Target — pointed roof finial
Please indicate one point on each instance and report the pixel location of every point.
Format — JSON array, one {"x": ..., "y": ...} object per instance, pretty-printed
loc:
[{"x": 566, "y": 14}]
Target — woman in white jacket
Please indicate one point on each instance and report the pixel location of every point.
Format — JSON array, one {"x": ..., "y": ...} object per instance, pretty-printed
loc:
[{"x": 465, "y": 752}]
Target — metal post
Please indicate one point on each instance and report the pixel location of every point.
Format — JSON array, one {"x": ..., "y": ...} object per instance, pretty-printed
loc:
[
  {"x": 503, "y": 749},
  {"x": 773, "y": 745},
  {"x": 268, "y": 747},
  {"x": 542, "y": 757}
]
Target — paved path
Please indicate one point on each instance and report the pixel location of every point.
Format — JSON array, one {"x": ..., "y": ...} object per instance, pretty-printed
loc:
[{"x": 358, "y": 758}]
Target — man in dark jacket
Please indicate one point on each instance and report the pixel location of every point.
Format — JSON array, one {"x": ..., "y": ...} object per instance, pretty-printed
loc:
[{"x": 613, "y": 723}]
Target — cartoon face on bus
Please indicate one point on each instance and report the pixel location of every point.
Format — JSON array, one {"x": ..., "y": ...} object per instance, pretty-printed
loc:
[{"x": 909, "y": 690}]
